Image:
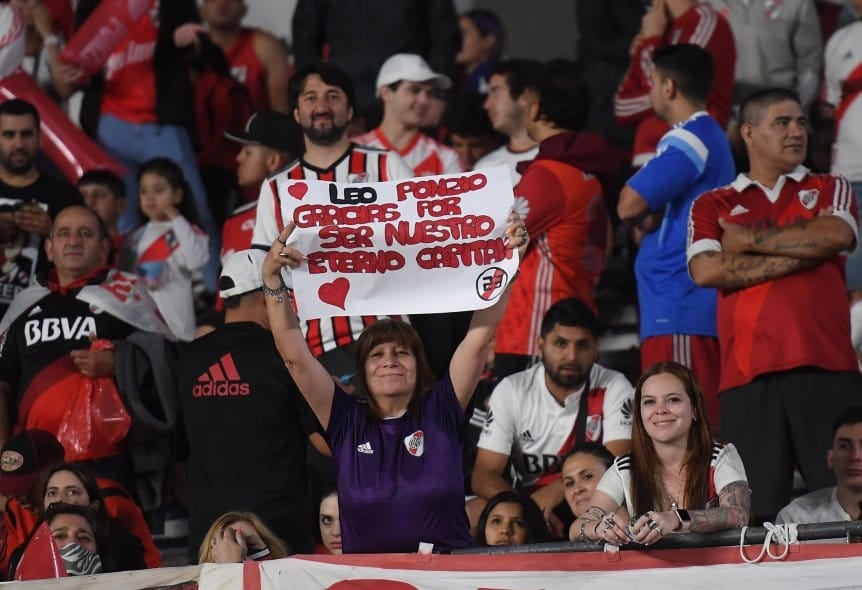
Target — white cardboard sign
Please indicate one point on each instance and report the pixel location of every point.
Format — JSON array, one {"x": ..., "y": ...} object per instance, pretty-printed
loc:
[{"x": 421, "y": 245}]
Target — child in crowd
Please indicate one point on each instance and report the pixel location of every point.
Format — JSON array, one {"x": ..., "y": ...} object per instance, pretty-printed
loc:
[
  {"x": 167, "y": 249},
  {"x": 105, "y": 193}
]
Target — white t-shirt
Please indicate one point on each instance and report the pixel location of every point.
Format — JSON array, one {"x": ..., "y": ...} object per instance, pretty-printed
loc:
[
  {"x": 504, "y": 155},
  {"x": 818, "y": 506},
  {"x": 166, "y": 253},
  {"x": 843, "y": 60},
  {"x": 725, "y": 467},
  {"x": 527, "y": 423}
]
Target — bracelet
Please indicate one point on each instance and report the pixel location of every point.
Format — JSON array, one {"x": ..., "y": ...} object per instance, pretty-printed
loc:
[
  {"x": 282, "y": 288},
  {"x": 582, "y": 537}
]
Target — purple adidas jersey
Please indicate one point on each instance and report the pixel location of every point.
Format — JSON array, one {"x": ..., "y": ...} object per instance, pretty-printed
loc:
[{"x": 400, "y": 480}]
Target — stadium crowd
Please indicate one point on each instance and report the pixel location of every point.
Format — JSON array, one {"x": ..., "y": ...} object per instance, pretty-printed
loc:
[{"x": 156, "y": 381}]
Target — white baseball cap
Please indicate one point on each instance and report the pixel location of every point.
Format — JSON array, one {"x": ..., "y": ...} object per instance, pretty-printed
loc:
[
  {"x": 410, "y": 67},
  {"x": 242, "y": 273}
]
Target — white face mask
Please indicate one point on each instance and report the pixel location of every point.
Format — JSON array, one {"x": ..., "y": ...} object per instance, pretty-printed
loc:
[{"x": 79, "y": 561}]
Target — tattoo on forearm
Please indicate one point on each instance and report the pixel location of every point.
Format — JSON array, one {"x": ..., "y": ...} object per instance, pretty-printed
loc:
[
  {"x": 745, "y": 270},
  {"x": 595, "y": 513},
  {"x": 732, "y": 513}
]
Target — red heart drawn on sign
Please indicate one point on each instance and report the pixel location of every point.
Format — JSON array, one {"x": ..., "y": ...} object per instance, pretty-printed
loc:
[
  {"x": 297, "y": 190},
  {"x": 334, "y": 293}
]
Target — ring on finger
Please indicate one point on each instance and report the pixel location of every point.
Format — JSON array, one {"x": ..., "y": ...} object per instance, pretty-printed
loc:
[
  {"x": 652, "y": 524},
  {"x": 280, "y": 241}
]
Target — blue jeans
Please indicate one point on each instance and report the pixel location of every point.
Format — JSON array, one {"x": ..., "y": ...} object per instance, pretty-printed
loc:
[
  {"x": 132, "y": 144},
  {"x": 854, "y": 261}
]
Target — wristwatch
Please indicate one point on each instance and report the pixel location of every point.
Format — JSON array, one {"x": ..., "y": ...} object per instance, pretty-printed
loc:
[{"x": 683, "y": 517}]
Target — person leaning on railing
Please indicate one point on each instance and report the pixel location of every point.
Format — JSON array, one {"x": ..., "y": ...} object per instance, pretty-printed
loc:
[{"x": 675, "y": 464}]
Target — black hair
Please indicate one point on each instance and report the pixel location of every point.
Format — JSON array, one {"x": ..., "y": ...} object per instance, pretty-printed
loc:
[
  {"x": 488, "y": 23},
  {"x": 689, "y": 66},
  {"x": 597, "y": 450},
  {"x": 468, "y": 118},
  {"x": 173, "y": 174},
  {"x": 564, "y": 100},
  {"x": 18, "y": 107},
  {"x": 329, "y": 73},
  {"x": 849, "y": 415},
  {"x": 520, "y": 74},
  {"x": 106, "y": 178},
  {"x": 571, "y": 313},
  {"x": 537, "y": 530},
  {"x": 753, "y": 106}
]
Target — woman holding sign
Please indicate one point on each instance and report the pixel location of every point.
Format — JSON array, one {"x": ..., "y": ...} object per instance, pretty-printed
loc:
[{"x": 397, "y": 454}]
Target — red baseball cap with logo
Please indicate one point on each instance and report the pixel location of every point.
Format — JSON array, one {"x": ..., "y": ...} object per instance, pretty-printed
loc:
[{"x": 24, "y": 456}]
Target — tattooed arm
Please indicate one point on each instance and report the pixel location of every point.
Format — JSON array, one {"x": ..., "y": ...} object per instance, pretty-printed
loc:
[
  {"x": 728, "y": 270},
  {"x": 817, "y": 238},
  {"x": 732, "y": 513}
]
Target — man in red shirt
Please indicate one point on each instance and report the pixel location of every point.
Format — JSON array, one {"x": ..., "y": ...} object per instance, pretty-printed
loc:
[
  {"x": 561, "y": 202},
  {"x": 257, "y": 59},
  {"x": 773, "y": 243},
  {"x": 669, "y": 22}
]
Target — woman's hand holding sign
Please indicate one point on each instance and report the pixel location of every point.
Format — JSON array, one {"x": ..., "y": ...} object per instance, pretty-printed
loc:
[{"x": 517, "y": 235}]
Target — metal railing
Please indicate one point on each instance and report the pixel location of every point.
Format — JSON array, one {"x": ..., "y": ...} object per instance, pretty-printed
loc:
[{"x": 753, "y": 535}]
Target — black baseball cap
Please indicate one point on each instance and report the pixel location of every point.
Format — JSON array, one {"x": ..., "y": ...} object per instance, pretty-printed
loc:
[
  {"x": 270, "y": 129},
  {"x": 24, "y": 456}
]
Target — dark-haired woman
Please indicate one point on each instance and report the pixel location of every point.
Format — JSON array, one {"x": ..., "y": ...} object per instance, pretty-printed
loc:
[
  {"x": 677, "y": 478},
  {"x": 81, "y": 538},
  {"x": 131, "y": 539},
  {"x": 397, "y": 455},
  {"x": 582, "y": 470},
  {"x": 511, "y": 518}
]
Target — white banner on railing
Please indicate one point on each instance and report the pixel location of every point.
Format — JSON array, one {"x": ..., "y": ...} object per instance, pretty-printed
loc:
[{"x": 809, "y": 567}]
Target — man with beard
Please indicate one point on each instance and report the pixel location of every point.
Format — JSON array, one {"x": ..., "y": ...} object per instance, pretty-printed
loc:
[
  {"x": 29, "y": 199},
  {"x": 322, "y": 99},
  {"x": 537, "y": 416}
]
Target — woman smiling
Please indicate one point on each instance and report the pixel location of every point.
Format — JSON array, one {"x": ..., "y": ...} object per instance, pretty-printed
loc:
[{"x": 677, "y": 478}]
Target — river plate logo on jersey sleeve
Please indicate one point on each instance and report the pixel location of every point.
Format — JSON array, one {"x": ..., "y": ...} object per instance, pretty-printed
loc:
[{"x": 415, "y": 443}]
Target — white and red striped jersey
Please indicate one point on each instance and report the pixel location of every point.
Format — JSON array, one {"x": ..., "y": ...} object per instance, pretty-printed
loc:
[
  {"x": 358, "y": 164},
  {"x": 843, "y": 57},
  {"x": 424, "y": 155},
  {"x": 526, "y": 422},
  {"x": 725, "y": 468}
]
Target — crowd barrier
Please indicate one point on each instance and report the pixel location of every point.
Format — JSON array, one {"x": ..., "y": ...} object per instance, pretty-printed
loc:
[{"x": 550, "y": 566}]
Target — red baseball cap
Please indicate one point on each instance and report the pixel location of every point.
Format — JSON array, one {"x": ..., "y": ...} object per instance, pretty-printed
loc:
[{"x": 24, "y": 456}]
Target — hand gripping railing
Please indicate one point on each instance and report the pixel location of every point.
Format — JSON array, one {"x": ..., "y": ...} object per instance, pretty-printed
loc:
[{"x": 747, "y": 536}]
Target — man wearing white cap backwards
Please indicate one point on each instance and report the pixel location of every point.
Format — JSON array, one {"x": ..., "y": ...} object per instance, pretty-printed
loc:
[{"x": 405, "y": 84}]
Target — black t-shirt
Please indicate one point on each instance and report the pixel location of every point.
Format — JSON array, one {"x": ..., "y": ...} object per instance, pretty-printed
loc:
[
  {"x": 244, "y": 417},
  {"x": 23, "y": 254},
  {"x": 48, "y": 331}
]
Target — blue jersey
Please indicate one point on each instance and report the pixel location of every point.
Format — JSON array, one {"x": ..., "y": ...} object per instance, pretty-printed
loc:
[{"x": 693, "y": 157}]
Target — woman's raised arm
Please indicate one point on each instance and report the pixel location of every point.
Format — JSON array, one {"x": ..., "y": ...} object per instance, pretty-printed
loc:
[
  {"x": 469, "y": 358},
  {"x": 313, "y": 380}
]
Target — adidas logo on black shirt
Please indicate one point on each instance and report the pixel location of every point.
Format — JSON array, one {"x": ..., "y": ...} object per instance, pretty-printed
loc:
[{"x": 222, "y": 380}]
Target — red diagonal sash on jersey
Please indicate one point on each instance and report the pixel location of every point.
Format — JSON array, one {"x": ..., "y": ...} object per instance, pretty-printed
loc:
[
  {"x": 595, "y": 402},
  {"x": 850, "y": 90}
]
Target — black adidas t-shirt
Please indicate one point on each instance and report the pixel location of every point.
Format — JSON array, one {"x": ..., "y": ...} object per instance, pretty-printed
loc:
[
  {"x": 243, "y": 418},
  {"x": 52, "y": 328}
]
